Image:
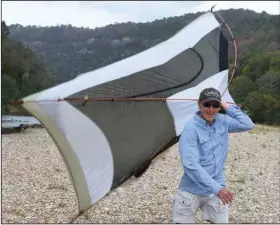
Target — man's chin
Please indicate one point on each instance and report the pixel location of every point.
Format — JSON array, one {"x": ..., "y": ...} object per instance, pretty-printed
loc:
[{"x": 210, "y": 119}]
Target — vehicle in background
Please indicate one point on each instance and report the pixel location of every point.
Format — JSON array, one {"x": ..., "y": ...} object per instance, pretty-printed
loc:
[{"x": 11, "y": 124}]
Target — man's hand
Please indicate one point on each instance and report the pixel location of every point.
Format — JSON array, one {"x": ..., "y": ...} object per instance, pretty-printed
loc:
[
  {"x": 225, "y": 195},
  {"x": 225, "y": 105}
]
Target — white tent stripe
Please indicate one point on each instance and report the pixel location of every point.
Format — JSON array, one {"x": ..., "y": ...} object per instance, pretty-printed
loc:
[
  {"x": 182, "y": 110},
  {"x": 157, "y": 55}
]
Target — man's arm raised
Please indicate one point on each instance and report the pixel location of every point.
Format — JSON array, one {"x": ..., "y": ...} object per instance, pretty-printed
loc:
[{"x": 236, "y": 119}]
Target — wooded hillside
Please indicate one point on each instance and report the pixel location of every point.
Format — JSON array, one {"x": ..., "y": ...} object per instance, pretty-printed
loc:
[
  {"x": 23, "y": 72},
  {"x": 70, "y": 51}
]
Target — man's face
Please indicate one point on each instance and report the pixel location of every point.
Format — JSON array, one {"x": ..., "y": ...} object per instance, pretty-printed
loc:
[{"x": 209, "y": 110}]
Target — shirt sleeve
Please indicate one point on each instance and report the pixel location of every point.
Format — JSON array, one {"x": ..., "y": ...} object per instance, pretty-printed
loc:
[
  {"x": 237, "y": 120},
  {"x": 188, "y": 148}
]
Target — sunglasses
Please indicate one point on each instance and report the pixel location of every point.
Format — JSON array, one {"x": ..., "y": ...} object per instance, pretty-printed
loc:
[{"x": 213, "y": 104}]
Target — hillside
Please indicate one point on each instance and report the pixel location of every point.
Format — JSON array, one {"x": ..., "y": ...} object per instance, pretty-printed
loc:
[
  {"x": 23, "y": 72},
  {"x": 70, "y": 50}
]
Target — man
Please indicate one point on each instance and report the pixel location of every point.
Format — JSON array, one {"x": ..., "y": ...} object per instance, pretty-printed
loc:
[{"x": 203, "y": 148}]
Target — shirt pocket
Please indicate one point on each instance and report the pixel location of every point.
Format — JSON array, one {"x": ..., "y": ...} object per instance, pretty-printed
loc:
[
  {"x": 219, "y": 140},
  {"x": 220, "y": 135},
  {"x": 204, "y": 143},
  {"x": 220, "y": 131}
]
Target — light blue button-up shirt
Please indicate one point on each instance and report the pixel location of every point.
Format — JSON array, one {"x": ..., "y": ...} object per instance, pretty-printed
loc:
[{"x": 203, "y": 149}]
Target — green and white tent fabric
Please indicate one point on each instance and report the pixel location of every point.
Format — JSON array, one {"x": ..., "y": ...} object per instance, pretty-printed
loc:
[{"x": 104, "y": 142}]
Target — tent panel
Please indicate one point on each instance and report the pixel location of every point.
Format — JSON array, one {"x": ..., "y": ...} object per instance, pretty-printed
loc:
[
  {"x": 189, "y": 67},
  {"x": 183, "y": 110},
  {"x": 134, "y": 130},
  {"x": 150, "y": 58},
  {"x": 179, "y": 70},
  {"x": 88, "y": 159}
]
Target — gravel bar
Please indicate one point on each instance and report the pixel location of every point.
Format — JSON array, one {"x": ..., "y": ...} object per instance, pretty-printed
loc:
[{"x": 36, "y": 187}]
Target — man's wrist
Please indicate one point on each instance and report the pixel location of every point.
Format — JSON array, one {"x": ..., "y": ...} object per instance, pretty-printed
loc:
[{"x": 217, "y": 188}]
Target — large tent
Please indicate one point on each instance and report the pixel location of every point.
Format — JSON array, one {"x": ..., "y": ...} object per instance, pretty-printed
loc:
[{"x": 109, "y": 123}]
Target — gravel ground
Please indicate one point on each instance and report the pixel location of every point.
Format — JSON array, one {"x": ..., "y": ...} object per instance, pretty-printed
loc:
[{"x": 36, "y": 187}]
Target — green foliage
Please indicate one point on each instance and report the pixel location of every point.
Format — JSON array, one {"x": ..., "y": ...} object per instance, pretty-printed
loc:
[
  {"x": 258, "y": 86},
  {"x": 9, "y": 90},
  {"x": 261, "y": 96},
  {"x": 272, "y": 117},
  {"x": 241, "y": 87},
  {"x": 5, "y": 30},
  {"x": 70, "y": 51},
  {"x": 274, "y": 62},
  {"x": 23, "y": 72},
  {"x": 255, "y": 102},
  {"x": 269, "y": 82},
  {"x": 272, "y": 109}
]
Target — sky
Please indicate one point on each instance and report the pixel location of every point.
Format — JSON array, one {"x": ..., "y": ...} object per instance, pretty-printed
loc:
[{"x": 101, "y": 13}]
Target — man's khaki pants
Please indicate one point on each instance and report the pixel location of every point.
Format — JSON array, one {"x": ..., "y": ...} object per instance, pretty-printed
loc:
[{"x": 185, "y": 206}]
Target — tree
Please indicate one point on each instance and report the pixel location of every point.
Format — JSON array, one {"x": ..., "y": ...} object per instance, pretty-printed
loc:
[
  {"x": 269, "y": 82},
  {"x": 4, "y": 29},
  {"x": 240, "y": 88},
  {"x": 256, "y": 103},
  {"x": 70, "y": 50},
  {"x": 9, "y": 90},
  {"x": 272, "y": 109},
  {"x": 23, "y": 72}
]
